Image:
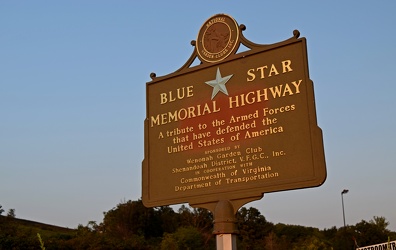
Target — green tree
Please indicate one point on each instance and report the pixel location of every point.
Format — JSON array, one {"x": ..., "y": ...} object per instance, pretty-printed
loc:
[
  {"x": 300, "y": 237},
  {"x": 271, "y": 242},
  {"x": 169, "y": 242},
  {"x": 169, "y": 219},
  {"x": 330, "y": 233},
  {"x": 373, "y": 232},
  {"x": 199, "y": 218},
  {"x": 131, "y": 218},
  {"x": 1, "y": 209},
  {"x": 344, "y": 238},
  {"x": 253, "y": 228},
  {"x": 11, "y": 213},
  {"x": 381, "y": 223},
  {"x": 189, "y": 238}
]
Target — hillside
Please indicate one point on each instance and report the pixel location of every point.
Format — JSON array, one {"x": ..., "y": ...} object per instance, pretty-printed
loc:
[
  {"x": 37, "y": 226},
  {"x": 22, "y": 234}
]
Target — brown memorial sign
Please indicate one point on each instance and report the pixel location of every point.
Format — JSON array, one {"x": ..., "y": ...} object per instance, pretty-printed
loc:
[{"x": 235, "y": 126}]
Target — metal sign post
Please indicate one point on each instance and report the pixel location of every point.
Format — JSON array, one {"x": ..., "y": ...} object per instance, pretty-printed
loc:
[
  {"x": 226, "y": 242},
  {"x": 225, "y": 227}
]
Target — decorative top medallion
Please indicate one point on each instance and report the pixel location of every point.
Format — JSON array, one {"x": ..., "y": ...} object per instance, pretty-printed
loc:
[{"x": 217, "y": 38}]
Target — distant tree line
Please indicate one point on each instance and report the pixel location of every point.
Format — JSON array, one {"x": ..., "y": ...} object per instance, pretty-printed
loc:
[
  {"x": 130, "y": 225},
  {"x": 11, "y": 212}
]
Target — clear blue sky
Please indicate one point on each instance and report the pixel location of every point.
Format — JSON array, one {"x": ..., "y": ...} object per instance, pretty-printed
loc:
[{"x": 72, "y": 101}]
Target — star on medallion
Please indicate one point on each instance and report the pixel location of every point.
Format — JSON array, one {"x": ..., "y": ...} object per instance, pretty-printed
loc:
[{"x": 218, "y": 84}]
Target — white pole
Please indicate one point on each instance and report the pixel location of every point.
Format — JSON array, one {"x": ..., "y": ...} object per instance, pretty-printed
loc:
[{"x": 226, "y": 242}]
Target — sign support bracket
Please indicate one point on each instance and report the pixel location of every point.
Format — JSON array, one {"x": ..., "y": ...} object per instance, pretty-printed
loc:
[{"x": 225, "y": 223}]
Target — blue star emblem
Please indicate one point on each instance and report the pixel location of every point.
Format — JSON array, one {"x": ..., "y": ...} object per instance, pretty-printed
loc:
[{"x": 218, "y": 84}]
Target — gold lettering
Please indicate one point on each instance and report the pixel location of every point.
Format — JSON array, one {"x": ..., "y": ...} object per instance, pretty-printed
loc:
[
  {"x": 287, "y": 89},
  {"x": 252, "y": 99},
  {"x": 215, "y": 20},
  {"x": 256, "y": 177},
  {"x": 240, "y": 118},
  {"x": 191, "y": 111},
  {"x": 276, "y": 91},
  {"x": 286, "y": 65},
  {"x": 264, "y": 94},
  {"x": 297, "y": 85},
  {"x": 184, "y": 113},
  {"x": 181, "y": 93},
  {"x": 261, "y": 95},
  {"x": 164, "y": 98},
  {"x": 262, "y": 70},
  {"x": 233, "y": 101},
  {"x": 273, "y": 111},
  {"x": 155, "y": 120},
  {"x": 172, "y": 117},
  {"x": 250, "y": 73},
  {"x": 263, "y": 132},
  {"x": 273, "y": 71}
]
